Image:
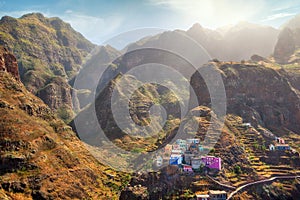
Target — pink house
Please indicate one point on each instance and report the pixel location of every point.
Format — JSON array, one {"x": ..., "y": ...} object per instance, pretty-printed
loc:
[
  {"x": 187, "y": 168},
  {"x": 280, "y": 141},
  {"x": 212, "y": 162}
]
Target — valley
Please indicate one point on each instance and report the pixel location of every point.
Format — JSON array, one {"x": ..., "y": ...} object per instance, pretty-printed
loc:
[{"x": 77, "y": 122}]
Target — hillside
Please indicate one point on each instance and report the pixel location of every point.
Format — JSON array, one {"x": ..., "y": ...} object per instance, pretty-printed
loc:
[
  {"x": 40, "y": 157},
  {"x": 259, "y": 94},
  {"x": 49, "y": 53}
]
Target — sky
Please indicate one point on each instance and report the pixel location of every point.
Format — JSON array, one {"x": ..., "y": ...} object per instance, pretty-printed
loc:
[{"x": 100, "y": 20}]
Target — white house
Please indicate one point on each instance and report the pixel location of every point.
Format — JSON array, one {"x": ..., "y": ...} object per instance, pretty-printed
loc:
[
  {"x": 271, "y": 147},
  {"x": 202, "y": 196}
]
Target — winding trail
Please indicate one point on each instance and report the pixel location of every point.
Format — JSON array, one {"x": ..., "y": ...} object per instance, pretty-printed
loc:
[
  {"x": 221, "y": 184},
  {"x": 261, "y": 181}
]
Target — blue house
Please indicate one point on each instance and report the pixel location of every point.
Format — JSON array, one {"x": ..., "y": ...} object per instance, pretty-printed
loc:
[
  {"x": 200, "y": 147},
  {"x": 175, "y": 160},
  {"x": 282, "y": 147}
]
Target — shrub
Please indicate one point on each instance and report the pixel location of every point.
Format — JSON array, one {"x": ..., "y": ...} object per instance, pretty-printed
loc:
[{"x": 237, "y": 169}]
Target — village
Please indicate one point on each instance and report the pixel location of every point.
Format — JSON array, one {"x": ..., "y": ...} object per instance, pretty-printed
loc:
[{"x": 188, "y": 155}]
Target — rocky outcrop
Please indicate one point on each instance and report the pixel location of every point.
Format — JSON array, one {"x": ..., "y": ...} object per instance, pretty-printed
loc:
[
  {"x": 57, "y": 94},
  {"x": 8, "y": 63},
  {"x": 258, "y": 58},
  {"x": 258, "y": 94}
]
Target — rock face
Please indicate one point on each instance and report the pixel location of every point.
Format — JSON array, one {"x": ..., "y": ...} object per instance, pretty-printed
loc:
[
  {"x": 8, "y": 62},
  {"x": 258, "y": 94},
  {"x": 45, "y": 48}
]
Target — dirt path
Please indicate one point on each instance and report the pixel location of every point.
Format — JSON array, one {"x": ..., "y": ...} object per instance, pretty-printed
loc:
[{"x": 261, "y": 181}]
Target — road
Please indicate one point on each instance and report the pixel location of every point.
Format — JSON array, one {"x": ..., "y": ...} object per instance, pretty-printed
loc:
[{"x": 261, "y": 181}]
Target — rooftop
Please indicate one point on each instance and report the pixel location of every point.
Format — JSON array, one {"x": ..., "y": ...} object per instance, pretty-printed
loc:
[
  {"x": 286, "y": 145},
  {"x": 202, "y": 195},
  {"x": 217, "y": 192}
]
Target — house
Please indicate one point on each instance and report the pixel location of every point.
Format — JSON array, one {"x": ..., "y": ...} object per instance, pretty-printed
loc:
[
  {"x": 175, "y": 147},
  {"x": 202, "y": 196},
  {"x": 193, "y": 147},
  {"x": 188, "y": 157},
  {"x": 177, "y": 151},
  {"x": 175, "y": 159},
  {"x": 189, "y": 141},
  {"x": 196, "y": 162},
  {"x": 280, "y": 141},
  {"x": 282, "y": 147},
  {"x": 246, "y": 125},
  {"x": 187, "y": 168},
  {"x": 217, "y": 195},
  {"x": 182, "y": 144},
  {"x": 271, "y": 147},
  {"x": 159, "y": 161},
  {"x": 212, "y": 162},
  {"x": 200, "y": 147},
  {"x": 193, "y": 140}
]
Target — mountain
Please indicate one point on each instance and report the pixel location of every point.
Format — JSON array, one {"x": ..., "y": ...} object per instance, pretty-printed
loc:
[
  {"x": 234, "y": 43},
  {"x": 287, "y": 47},
  {"x": 40, "y": 157},
  {"x": 259, "y": 94},
  {"x": 49, "y": 52},
  {"x": 86, "y": 81}
]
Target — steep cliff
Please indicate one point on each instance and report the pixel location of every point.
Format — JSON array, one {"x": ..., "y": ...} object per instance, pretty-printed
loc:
[
  {"x": 8, "y": 63},
  {"x": 259, "y": 94}
]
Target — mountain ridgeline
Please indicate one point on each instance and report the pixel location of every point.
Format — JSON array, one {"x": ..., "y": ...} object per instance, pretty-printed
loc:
[{"x": 49, "y": 53}]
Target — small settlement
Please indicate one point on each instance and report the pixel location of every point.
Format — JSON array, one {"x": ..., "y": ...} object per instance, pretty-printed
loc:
[
  {"x": 186, "y": 154},
  {"x": 279, "y": 144}
]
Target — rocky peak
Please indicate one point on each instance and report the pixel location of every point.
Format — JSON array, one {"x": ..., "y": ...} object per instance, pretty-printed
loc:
[
  {"x": 34, "y": 15},
  {"x": 8, "y": 62},
  {"x": 196, "y": 28}
]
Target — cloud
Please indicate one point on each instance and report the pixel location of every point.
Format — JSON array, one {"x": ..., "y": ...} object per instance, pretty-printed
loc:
[{"x": 278, "y": 16}]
